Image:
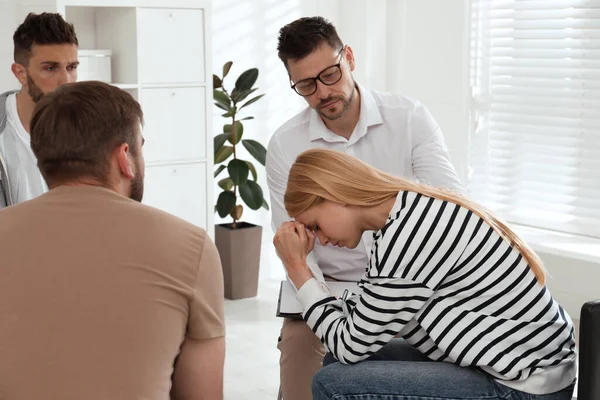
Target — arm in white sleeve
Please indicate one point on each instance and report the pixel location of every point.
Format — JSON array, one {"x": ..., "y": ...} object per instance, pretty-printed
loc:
[{"x": 430, "y": 158}]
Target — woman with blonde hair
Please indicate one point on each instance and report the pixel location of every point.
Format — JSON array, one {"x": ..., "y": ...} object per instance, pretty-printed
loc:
[{"x": 463, "y": 292}]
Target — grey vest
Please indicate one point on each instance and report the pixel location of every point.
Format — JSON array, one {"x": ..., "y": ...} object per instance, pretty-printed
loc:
[{"x": 5, "y": 194}]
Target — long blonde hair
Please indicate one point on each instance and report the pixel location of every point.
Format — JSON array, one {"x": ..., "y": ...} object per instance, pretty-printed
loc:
[{"x": 319, "y": 175}]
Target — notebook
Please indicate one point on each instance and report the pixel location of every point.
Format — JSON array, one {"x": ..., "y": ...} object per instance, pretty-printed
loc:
[{"x": 288, "y": 305}]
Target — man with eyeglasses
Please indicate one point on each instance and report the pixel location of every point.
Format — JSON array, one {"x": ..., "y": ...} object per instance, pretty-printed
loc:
[{"x": 391, "y": 132}]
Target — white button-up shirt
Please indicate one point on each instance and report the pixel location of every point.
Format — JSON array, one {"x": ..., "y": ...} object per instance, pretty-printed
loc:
[{"x": 394, "y": 134}]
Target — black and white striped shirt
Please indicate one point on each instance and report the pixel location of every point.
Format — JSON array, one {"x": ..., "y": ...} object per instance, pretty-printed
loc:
[{"x": 440, "y": 276}]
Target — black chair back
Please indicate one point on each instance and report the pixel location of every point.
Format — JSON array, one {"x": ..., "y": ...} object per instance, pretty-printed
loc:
[{"x": 589, "y": 352}]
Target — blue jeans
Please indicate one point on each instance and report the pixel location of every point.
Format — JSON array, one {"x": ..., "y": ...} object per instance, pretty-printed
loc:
[{"x": 400, "y": 372}]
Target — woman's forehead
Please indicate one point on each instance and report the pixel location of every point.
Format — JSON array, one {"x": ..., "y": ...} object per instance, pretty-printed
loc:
[{"x": 307, "y": 216}]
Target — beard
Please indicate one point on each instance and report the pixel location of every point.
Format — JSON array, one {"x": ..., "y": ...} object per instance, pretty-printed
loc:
[
  {"x": 34, "y": 90},
  {"x": 343, "y": 105},
  {"x": 137, "y": 184},
  {"x": 325, "y": 112}
]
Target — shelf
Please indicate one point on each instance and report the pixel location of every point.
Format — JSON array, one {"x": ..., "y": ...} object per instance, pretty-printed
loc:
[
  {"x": 109, "y": 28},
  {"x": 140, "y": 35}
]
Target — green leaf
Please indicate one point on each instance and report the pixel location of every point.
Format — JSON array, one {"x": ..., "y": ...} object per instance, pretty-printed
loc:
[
  {"x": 217, "y": 82},
  {"x": 252, "y": 170},
  {"x": 221, "y": 106},
  {"x": 222, "y": 98},
  {"x": 252, "y": 100},
  {"x": 226, "y": 184},
  {"x": 246, "y": 80},
  {"x": 240, "y": 96},
  {"x": 256, "y": 149},
  {"x": 219, "y": 141},
  {"x": 230, "y": 113},
  {"x": 245, "y": 118},
  {"x": 223, "y": 154},
  {"x": 226, "y": 68},
  {"x": 218, "y": 171},
  {"x": 252, "y": 194},
  {"x": 265, "y": 205},
  {"x": 225, "y": 203},
  {"x": 238, "y": 171},
  {"x": 239, "y": 131}
]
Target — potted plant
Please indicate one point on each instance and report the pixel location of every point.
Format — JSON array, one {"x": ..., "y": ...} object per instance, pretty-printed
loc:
[{"x": 238, "y": 242}]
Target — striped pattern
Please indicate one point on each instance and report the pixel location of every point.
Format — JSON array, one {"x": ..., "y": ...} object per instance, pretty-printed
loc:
[{"x": 452, "y": 287}]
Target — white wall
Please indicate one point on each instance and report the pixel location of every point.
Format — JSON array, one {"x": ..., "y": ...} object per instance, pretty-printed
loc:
[
  {"x": 410, "y": 50},
  {"x": 246, "y": 33},
  {"x": 417, "y": 48},
  {"x": 398, "y": 53},
  {"x": 431, "y": 63},
  {"x": 8, "y": 24},
  {"x": 12, "y": 14}
]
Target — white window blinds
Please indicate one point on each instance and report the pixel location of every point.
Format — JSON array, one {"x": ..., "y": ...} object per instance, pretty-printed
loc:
[{"x": 535, "y": 140}]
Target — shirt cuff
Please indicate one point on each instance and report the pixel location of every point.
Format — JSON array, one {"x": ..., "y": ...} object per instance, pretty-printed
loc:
[{"x": 311, "y": 292}]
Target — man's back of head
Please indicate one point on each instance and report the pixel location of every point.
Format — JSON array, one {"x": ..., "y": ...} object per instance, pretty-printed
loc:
[
  {"x": 89, "y": 133},
  {"x": 100, "y": 294}
]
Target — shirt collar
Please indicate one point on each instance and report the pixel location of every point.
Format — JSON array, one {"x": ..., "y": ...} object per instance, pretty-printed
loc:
[{"x": 369, "y": 116}]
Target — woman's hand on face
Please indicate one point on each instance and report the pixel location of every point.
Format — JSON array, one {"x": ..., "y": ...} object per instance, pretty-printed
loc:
[
  {"x": 310, "y": 235},
  {"x": 293, "y": 242}
]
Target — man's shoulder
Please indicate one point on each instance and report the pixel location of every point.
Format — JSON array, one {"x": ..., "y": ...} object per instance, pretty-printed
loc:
[
  {"x": 298, "y": 123},
  {"x": 151, "y": 221},
  {"x": 166, "y": 233},
  {"x": 388, "y": 100},
  {"x": 5, "y": 95},
  {"x": 162, "y": 222},
  {"x": 3, "y": 98}
]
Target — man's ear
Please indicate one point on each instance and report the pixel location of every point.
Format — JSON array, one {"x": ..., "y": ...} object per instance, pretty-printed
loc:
[
  {"x": 20, "y": 72},
  {"x": 349, "y": 56},
  {"x": 125, "y": 160}
]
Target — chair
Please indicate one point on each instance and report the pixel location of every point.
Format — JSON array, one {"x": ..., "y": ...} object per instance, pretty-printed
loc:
[{"x": 589, "y": 352}]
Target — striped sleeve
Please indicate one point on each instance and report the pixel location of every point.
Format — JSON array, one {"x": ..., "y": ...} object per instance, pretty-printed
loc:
[{"x": 411, "y": 255}]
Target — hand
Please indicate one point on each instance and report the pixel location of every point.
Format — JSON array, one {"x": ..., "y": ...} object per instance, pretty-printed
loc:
[
  {"x": 310, "y": 235},
  {"x": 293, "y": 242}
]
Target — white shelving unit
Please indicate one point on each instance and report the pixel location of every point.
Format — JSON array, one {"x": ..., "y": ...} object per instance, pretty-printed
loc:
[{"x": 161, "y": 55}]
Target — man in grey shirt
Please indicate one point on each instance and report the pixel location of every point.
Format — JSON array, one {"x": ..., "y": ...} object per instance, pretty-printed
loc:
[{"x": 45, "y": 55}]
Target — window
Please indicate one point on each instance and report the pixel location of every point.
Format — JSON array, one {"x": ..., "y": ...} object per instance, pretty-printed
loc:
[{"x": 535, "y": 139}]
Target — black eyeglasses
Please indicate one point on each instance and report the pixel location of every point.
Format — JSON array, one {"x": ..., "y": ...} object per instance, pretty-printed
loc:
[{"x": 329, "y": 76}]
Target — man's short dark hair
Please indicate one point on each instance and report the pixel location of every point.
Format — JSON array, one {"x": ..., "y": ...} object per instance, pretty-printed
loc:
[
  {"x": 303, "y": 36},
  {"x": 75, "y": 129},
  {"x": 41, "y": 29}
]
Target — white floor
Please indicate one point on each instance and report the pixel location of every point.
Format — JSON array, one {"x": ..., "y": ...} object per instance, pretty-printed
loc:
[{"x": 252, "y": 360}]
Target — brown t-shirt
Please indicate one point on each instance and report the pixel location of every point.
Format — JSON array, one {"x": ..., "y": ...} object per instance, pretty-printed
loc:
[{"x": 97, "y": 294}]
